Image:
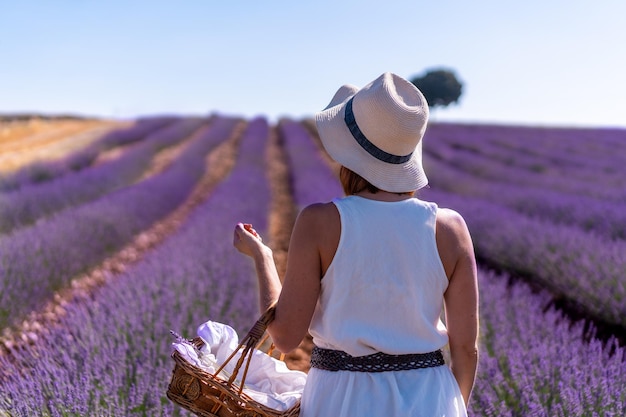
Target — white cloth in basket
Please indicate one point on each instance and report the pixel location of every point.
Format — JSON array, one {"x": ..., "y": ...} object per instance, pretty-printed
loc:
[{"x": 268, "y": 382}]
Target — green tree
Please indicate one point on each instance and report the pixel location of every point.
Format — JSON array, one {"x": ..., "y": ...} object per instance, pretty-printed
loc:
[{"x": 440, "y": 86}]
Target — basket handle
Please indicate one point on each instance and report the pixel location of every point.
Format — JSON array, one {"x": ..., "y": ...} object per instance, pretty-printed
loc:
[{"x": 248, "y": 344}]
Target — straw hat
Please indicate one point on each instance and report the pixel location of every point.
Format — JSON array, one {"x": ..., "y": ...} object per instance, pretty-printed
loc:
[{"x": 377, "y": 132}]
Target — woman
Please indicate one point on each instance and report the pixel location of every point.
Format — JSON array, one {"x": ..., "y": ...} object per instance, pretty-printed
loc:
[{"x": 368, "y": 275}]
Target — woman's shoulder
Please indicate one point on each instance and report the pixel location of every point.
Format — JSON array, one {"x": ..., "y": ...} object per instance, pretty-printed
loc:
[
  {"x": 453, "y": 238},
  {"x": 450, "y": 220},
  {"x": 318, "y": 212},
  {"x": 452, "y": 230},
  {"x": 320, "y": 224}
]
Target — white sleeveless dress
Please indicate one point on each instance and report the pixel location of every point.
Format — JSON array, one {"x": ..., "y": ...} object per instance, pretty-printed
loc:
[{"x": 383, "y": 292}]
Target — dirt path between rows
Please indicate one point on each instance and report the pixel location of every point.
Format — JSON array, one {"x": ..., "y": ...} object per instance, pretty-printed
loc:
[
  {"x": 282, "y": 218},
  {"x": 219, "y": 162}
]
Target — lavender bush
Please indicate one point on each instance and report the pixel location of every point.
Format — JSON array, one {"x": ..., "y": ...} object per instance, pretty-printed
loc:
[
  {"x": 140, "y": 130},
  {"x": 38, "y": 260},
  {"x": 563, "y": 226},
  {"x": 45, "y": 171},
  {"x": 601, "y": 216},
  {"x": 34, "y": 201},
  {"x": 579, "y": 265},
  {"x": 312, "y": 180},
  {"x": 576, "y": 151},
  {"x": 535, "y": 363},
  {"x": 572, "y": 177},
  {"x": 110, "y": 356}
]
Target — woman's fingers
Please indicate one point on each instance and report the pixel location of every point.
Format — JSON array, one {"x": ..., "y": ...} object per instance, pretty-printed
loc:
[
  {"x": 243, "y": 231},
  {"x": 248, "y": 227}
]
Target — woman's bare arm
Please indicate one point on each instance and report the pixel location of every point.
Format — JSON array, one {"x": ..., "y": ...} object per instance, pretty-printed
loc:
[
  {"x": 297, "y": 296},
  {"x": 461, "y": 297},
  {"x": 248, "y": 242}
]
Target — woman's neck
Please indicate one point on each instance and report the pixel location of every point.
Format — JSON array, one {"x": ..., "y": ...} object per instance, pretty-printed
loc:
[{"x": 384, "y": 196}]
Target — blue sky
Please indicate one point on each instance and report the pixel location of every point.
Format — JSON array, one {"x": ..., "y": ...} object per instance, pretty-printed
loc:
[{"x": 547, "y": 62}]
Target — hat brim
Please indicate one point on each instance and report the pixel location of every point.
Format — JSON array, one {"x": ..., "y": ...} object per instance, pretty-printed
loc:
[{"x": 344, "y": 149}]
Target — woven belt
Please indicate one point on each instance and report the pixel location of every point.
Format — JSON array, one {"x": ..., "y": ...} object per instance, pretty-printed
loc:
[{"x": 336, "y": 360}]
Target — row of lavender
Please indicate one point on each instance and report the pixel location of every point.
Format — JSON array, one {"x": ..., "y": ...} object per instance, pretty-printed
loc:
[
  {"x": 585, "y": 268},
  {"x": 43, "y": 171},
  {"x": 566, "y": 233},
  {"x": 32, "y": 201},
  {"x": 464, "y": 162},
  {"x": 599, "y": 216},
  {"x": 111, "y": 357},
  {"x": 587, "y": 162},
  {"x": 38, "y": 260},
  {"x": 533, "y": 362}
]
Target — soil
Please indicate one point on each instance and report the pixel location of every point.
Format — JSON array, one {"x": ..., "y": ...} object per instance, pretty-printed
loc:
[
  {"x": 282, "y": 218},
  {"x": 24, "y": 142}
]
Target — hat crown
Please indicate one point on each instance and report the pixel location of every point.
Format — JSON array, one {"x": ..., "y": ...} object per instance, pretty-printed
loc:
[{"x": 392, "y": 114}]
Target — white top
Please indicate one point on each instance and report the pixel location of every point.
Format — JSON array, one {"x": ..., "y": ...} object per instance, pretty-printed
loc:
[{"x": 383, "y": 292}]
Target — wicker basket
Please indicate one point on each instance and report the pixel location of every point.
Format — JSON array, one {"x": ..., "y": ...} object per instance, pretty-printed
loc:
[{"x": 209, "y": 395}]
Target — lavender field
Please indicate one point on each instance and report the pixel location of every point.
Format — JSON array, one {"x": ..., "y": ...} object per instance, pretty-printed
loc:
[{"x": 546, "y": 208}]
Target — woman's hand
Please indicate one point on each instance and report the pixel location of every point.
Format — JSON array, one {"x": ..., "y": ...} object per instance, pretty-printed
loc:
[{"x": 247, "y": 240}]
